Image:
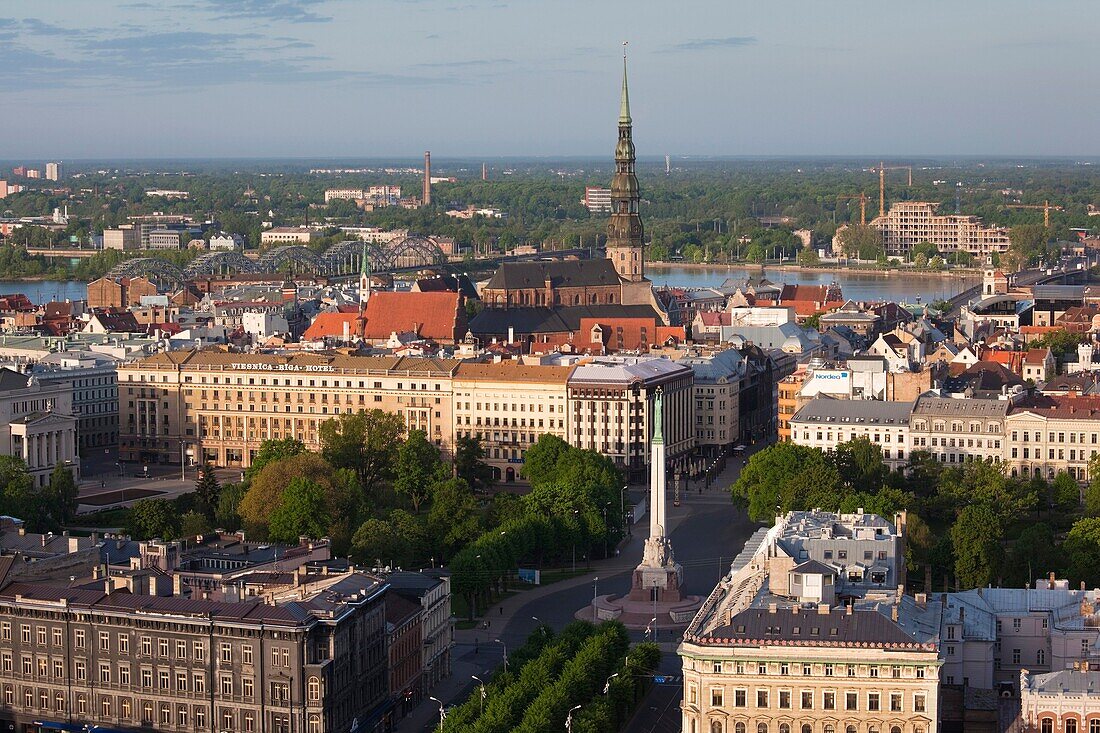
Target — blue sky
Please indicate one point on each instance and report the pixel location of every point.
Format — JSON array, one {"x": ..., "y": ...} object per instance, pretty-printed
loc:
[{"x": 365, "y": 78}]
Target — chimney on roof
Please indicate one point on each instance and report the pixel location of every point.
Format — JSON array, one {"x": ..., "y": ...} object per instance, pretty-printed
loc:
[
  {"x": 823, "y": 609},
  {"x": 921, "y": 599},
  {"x": 894, "y": 613},
  {"x": 772, "y": 607}
]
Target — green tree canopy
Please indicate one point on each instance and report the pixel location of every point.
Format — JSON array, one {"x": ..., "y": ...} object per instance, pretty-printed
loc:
[
  {"x": 418, "y": 468},
  {"x": 783, "y": 477},
  {"x": 150, "y": 518},
  {"x": 207, "y": 490},
  {"x": 365, "y": 442},
  {"x": 976, "y": 537},
  {"x": 273, "y": 450},
  {"x": 301, "y": 512},
  {"x": 1082, "y": 550},
  {"x": 470, "y": 463}
]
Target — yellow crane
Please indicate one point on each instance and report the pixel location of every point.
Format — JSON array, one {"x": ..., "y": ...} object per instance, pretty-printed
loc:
[
  {"x": 882, "y": 168},
  {"x": 1046, "y": 206},
  {"x": 862, "y": 197}
]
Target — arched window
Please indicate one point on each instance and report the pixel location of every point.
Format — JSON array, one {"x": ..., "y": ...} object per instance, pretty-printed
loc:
[
  {"x": 1094, "y": 725},
  {"x": 313, "y": 689},
  {"x": 830, "y": 729},
  {"x": 739, "y": 728},
  {"x": 693, "y": 726},
  {"x": 716, "y": 726},
  {"x": 761, "y": 728},
  {"x": 1071, "y": 725},
  {"x": 850, "y": 729},
  {"x": 1046, "y": 725},
  {"x": 807, "y": 728},
  {"x": 895, "y": 729},
  {"x": 314, "y": 725},
  {"x": 784, "y": 728}
]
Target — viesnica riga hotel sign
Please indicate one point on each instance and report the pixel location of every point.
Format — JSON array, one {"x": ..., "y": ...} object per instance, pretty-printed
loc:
[{"x": 283, "y": 367}]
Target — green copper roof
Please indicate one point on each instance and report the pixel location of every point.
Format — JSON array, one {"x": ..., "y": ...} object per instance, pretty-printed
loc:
[
  {"x": 624, "y": 103},
  {"x": 658, "y": 417},
  {"x": 364, "y": 267}
]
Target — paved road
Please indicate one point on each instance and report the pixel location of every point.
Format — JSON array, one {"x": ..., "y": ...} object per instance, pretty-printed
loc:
[{"x": 707, "y": 533}]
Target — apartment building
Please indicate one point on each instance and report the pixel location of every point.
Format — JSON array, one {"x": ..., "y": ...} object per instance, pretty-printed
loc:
[
  {"x": 220, "y": 407},
  {"x": 53, "y": 171},
  {"x": 1052, "y": 433},
  {"x": 717, "y": 390},
  {"x": 611, "y": 409},
  {"x": 909, "y": 223},
  {"x": 597, "y": 200},
  {"x": 959, "y": 431},
  {"x": 37, "y": 425},
  {"x": 92, "y": 380},
  {"x": 343, "y": 194},
  {"x": 287, "y": 235},
  {"x": 771, "y": 649},
  {"x": 1066, "y": 701},
  {"x": 123, "y": 237},
  {"x": 508, "y": 406},
  {"x": 314, "y": 660},
  {"x": 431, "y": 589},
  {"x": 826, "y": 423}
]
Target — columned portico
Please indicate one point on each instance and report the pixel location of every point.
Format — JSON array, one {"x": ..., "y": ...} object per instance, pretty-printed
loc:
[{"x": 45, "y": 441}]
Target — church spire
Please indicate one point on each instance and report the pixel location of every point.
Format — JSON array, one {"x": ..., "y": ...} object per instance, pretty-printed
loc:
[
  {"x": 364, "y": 276},
  {"x": 624, "y": 230},
  {"x": 624, "y": 100}
]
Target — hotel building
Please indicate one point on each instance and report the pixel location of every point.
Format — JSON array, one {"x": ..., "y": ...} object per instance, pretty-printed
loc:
[{"x": 219, "y": 407}]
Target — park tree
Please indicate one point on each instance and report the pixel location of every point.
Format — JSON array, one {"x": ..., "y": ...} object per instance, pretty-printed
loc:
[
  {"x": 470, "y": 463},
  {"x": 1082, "y": 550},
  {"x": 379, "y": 542},
  {"x": 781, "y": 478},
  {"x": 860, "y": 464},
  {"x": 453, "y": 519},
  {"x": 1065, "y": 492},
  {"x": 861, "y": 241},
  {"x": 418, "y": 468},
  {"x": 301, "y": 512},
  {"x": 365, "y": 442},
  {"x": 273, "y": 450},
  {"x": 193, "y": 524},
  {"x": 976, "y": 537},
  {"x": 61, "y": 496},
  {"x": 149, "y": 518},
  {"x": 227, "y": 516},
  {"x": 18, "y": 497},
  {"x": 1028, "y": 242},
  {"x": 1033, "y": 555},
  {"x": 808, "y": 257},
  {"x": 207, "y": 490},
  {"x": 266, "y": 488}
]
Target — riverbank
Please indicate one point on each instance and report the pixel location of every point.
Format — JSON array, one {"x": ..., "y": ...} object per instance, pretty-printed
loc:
[{"x": 953, "y": 274}]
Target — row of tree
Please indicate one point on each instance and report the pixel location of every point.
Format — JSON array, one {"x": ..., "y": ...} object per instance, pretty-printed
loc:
[
  {"x": 574, "y": 509},
  {"x": 584, "y": 665},
  {"x": 969, "y": 525}
]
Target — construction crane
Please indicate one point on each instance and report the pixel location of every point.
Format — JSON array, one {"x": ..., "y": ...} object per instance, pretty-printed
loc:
[
  {"x": 882, "y": 168},
  {"x": 862, "y": 197},
  {"x": 1046, "y": 206}
]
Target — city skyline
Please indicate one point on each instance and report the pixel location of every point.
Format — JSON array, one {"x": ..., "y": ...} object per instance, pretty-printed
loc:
[{"x": 317, "y": 78}]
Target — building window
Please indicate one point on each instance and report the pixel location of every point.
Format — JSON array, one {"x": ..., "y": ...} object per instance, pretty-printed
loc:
[
  {"x": 761, "y": 698},
  {"x": 716, "y": 697},
  {"x": 740, "y": 698},
  {"x": 313, "y": 689},
  {"x": 828, "y": 700},
  {"x": 895, "y": 702},
  {"x": 1046, "y": 725},
  {"x": 851, "y": 701},
  {"x": 918, "y": 702},
  {"x": 784, "y": 699},
  {"x": 872, "y": 701}
]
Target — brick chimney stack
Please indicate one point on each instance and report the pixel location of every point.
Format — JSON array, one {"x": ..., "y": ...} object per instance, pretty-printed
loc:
[{"x": 427, "y": 177}]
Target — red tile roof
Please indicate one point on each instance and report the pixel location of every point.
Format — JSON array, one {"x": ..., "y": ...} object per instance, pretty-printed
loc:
[{"x": 437, "y": 316}]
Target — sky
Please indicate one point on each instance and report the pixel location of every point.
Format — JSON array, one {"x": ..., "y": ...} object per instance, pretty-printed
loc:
[{"x": 385, "y": 78}]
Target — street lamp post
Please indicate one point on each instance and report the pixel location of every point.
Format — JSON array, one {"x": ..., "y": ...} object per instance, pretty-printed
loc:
[
  {"x": 183, "y": 454},
  {"x": 481, "y": 683},
  {"x": 442, "y": 711},
  {"x": 569, "y": 718},
  {"x": 595, "y": 586},
  {"x": 498, "y": 641},
  {"x": 607, "y": 685},
  {"x": 623, "y": 526}
]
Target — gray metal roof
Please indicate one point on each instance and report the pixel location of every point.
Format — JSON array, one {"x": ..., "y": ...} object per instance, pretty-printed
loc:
[{"x": 868, "y": 412}]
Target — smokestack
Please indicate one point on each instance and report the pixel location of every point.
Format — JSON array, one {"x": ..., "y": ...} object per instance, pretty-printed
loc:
[
  {"x": 427, "y": 177},
  {"x": 484, "y": 172}
]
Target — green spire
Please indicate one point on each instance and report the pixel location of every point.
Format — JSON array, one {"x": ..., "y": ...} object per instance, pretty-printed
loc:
[
  {"x": 364, "y": 262},
  {"x": 658, "y": 417},
  {"x": 624, "y": 102}
]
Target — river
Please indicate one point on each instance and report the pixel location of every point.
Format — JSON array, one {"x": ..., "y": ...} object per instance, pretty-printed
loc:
[{"x": 899, "y": 287}]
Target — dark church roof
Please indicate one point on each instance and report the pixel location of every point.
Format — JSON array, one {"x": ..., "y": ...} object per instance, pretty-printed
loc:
[
  {"x": 561, "y": 319},
  {"x": 564, "y": 274},
  {"x": 808, "y": 627}
]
